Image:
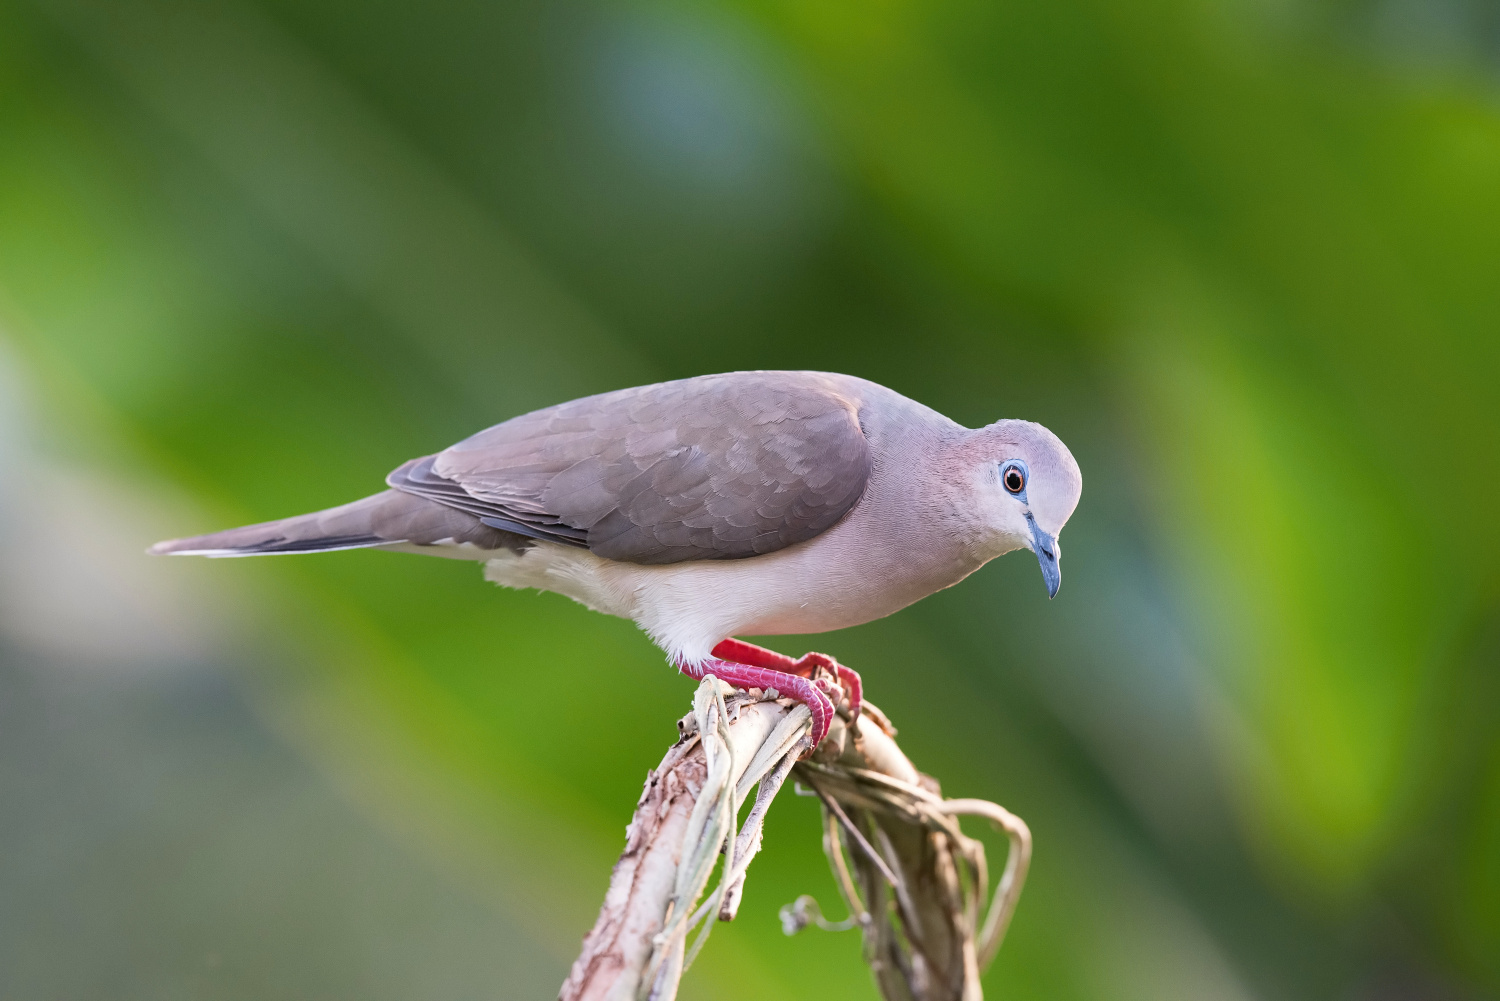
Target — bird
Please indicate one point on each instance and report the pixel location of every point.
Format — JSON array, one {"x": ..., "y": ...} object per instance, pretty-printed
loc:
[{"x": 747, "y": 503}]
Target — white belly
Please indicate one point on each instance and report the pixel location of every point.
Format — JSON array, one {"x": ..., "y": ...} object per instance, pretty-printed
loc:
[{"x": 687, "y": 608}]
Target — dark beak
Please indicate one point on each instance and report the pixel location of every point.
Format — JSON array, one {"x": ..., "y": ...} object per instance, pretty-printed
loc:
[{"x": 1047, "y": 553}]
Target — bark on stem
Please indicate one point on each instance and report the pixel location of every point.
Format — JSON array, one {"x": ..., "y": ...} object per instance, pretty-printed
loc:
[{"x": 915, "y": 885}]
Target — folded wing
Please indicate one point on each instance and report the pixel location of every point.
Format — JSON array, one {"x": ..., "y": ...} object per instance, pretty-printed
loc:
[{"x": 717, "y": 467}]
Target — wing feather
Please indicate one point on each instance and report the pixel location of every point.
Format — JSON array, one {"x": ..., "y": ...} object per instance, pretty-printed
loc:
[{"x": 718, "y": 467}]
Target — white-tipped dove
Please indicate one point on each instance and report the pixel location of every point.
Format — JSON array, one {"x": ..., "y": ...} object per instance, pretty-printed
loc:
[{"x": 752, "y": 502}]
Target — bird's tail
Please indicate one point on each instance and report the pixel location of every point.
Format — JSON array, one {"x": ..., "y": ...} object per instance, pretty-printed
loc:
[{"x": 387, "y": 518}]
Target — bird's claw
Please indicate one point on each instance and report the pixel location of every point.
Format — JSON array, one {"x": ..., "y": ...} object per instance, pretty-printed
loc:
[
  {"x": 826, "y": 681},
  {"x": 846, "y": 678}
]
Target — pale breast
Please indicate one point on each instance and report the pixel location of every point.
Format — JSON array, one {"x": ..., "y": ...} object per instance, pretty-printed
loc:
[{"x": 839, "y": 580}]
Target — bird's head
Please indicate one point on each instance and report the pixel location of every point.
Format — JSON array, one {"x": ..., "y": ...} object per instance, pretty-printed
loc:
[{"x": 1025, "y": 484}]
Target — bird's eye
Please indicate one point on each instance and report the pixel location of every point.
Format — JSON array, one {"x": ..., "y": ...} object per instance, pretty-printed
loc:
[{"x": 1014, "y": 479}]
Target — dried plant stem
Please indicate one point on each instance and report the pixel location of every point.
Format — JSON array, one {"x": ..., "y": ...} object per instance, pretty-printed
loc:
[{"x": 915, "y": 885}]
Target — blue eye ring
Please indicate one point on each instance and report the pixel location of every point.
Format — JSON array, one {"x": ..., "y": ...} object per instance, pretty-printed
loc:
[{"x": 1013, "y": 477}]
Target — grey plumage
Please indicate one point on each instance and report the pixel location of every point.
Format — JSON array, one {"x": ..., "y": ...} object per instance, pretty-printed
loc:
[
  {"x": 388, "y": 518},
  {"x": 720, "y": 467},
  {"x": 748, "y": 503},
  {"x": 717, "y": 467}
]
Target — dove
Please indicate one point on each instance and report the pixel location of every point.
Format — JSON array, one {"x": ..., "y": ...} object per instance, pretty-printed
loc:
[{"x": 703, "y": 509}]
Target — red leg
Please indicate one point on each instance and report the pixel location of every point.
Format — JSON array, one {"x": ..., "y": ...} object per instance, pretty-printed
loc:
[
  {"x": 758, "y": 656},
  {"x": 747, "y": 676}
]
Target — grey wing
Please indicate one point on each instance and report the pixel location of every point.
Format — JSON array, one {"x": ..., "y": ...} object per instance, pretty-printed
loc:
[{"x": 717, "y": 467}]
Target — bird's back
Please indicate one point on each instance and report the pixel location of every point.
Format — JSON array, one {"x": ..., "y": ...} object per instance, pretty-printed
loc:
[{"x": 709, "y": 468}]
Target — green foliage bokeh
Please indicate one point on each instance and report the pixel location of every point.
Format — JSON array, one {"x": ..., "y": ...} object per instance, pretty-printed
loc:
[{"x": 1243, "y": 257}]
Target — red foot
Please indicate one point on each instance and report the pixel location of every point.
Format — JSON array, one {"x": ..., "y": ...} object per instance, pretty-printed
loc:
[
  {"x": 741, "y": 652},
  {"x": 746, "y": 676}
]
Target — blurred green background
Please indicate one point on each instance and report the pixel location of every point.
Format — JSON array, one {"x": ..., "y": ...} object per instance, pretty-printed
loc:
[{"x": 1242, "y": 255}]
